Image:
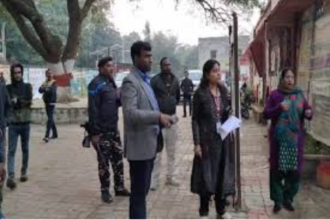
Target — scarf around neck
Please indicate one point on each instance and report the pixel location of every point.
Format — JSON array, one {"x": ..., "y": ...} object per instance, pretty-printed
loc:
[{"x": 287, "y": 129}]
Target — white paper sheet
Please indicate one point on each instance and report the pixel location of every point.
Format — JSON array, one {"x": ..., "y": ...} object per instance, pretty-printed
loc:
[{"x": 229, "y": 126}]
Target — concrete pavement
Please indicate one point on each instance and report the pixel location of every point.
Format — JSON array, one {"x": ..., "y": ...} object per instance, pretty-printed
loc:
[{"x": 63, "y": 181}]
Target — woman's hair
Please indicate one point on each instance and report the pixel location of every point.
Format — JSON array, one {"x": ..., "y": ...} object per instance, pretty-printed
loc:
[
  {"x": 208, "y": 66},
  {"x": 284, "y": 71}
]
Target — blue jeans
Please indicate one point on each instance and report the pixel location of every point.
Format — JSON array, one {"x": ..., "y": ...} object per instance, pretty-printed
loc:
[
  {"x": 140, "y": 173},
  {"x": 16, "y": 131},
  {"x": 50, "y": 121}
]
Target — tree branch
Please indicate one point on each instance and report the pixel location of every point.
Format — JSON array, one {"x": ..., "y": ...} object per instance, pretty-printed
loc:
[
  {"x": 217, "y": 14},
  {"x": 87, "y": 6},
  {"x": 75, "y": 26},
  {"x": 76, "y": 18},
  {"x": 51, "y": 43},
  {"x": 25, "y": 30}
]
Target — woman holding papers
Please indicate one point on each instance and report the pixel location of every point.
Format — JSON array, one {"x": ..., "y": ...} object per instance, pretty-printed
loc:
[
  {"x": 287, "y": 108},
  {"x": 213, "y": 167}
]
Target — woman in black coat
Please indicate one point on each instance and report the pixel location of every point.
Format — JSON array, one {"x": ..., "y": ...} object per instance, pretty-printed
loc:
[{"x": 214, "y": 162}]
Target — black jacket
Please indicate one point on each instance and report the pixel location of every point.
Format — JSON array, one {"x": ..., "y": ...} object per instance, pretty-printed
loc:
[
  {"x": 216, "y": 167},
  {"x": 167, "y": 91},
  {"x": 21, "y": 95},
  {"x": 49, "y": 89},
  {"x": 187, "y": 86},
  {"x": 103, "y": 103},
  {"x": 4, "y": 105}
]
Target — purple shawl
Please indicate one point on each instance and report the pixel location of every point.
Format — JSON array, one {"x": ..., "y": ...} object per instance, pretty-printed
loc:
[{"x": 272, "y": 112}]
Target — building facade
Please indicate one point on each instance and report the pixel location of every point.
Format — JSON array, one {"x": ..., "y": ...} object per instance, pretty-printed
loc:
[{"x": 295, "y": 33}]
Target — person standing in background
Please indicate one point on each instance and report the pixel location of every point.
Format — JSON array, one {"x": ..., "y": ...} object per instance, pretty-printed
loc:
[
  {"x": 167, "y": 90},
  {"x": 2, "y": 78},
  {"x": 187, "y": 88},
  {"x": 49, "y": 90},
  {"x": 19, "y": 118}
]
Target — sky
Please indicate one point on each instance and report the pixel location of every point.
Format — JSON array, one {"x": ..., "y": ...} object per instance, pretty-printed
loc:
[{"x": 187, "y": 21}]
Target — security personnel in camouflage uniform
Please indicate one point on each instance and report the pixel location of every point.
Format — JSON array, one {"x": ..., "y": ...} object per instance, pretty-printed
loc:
[{"x": 103, "y": 103}]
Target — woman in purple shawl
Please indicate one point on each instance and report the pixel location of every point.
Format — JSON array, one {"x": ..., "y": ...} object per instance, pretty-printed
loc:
[{"x": 287, "y": 108}]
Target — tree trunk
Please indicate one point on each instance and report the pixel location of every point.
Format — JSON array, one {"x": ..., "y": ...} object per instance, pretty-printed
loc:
[{"x": 63, "y": 74}]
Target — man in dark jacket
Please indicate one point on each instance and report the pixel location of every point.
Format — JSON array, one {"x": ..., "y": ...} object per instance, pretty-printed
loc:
[
  {"x": 187, "y": 88},
  {"x": 20, "y": 94},
  {"x": 2, "y": 78},
  {"x": 4, "y": 107},
  {"x": 103, "y": 104},
  {"x": 49, "y": 89},
  {"x": 167, "y": 90}
]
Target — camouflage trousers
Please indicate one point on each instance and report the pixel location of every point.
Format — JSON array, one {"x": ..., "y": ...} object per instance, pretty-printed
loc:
[{"x": 110, "y": 150}]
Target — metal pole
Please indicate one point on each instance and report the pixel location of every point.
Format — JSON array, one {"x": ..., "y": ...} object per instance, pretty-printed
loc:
[{"x": 237, "y": 112}]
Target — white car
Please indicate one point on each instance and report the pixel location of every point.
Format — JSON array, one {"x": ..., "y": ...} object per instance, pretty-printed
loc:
[
  {"x": 195, "y": 76},
  {"x": 120, "y": 77}
]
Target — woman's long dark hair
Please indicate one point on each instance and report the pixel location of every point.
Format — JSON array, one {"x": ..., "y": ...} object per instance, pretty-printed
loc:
[{"x": 208, "y": 66}]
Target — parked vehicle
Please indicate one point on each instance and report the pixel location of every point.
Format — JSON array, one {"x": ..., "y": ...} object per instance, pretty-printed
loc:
[
  {"x": 246, "y": 102},
  {"x": 195, "y": 76}
]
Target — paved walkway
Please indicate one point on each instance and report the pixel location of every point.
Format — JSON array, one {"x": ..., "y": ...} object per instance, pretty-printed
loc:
[{"x": 64, "y": 182}]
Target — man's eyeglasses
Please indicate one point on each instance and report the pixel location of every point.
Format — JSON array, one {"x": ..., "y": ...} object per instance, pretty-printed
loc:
[{"x": 19, "y": 72}]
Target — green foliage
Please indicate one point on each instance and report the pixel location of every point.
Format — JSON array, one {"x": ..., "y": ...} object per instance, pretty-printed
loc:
[
  {"x": 98, "y": 33},
  {"x": 17, "y": 48},
  {"x": 181, "y": 57},
  {"x": 313, "y": 146},
  {"x": 95, "y": 36}
]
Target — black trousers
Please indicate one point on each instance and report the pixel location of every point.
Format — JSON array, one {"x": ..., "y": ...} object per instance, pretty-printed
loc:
[
  {"x": 186, "y": 100},
  {"x": 284, "y": 186},
  {"x": 140, "y": 173},
  {"x": 50, "y": 121},
  {"x": 220, "y": 204},
  {"x": 110, "y": 150}
]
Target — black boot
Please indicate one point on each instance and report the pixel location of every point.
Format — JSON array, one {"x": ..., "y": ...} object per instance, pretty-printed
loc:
[
  {"x": 277, "y": 208},
  {"x": 288, "y": 206},
  {"x": 24, "y": 177},
  {"x": 11, "y": 184},
  {"x": 106, "y": 196}
]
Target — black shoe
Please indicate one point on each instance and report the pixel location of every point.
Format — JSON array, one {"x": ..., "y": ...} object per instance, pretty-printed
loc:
[
  {"x": 184, "y": 116},
  {"x": 277, "y": 209},
  {"x": 204, "y": 215},
  {"x": 24, "y": 178},
  {"x": 288, "y": 206},
  {"x": 124, "y": 192},
  {"x": 11, "y": 183},
  {"x": 106, "y": 196},
  {"x": 46, "y": 140}
]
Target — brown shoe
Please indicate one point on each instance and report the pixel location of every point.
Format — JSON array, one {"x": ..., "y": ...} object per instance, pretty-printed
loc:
[{"x": 124, "y": 192}]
